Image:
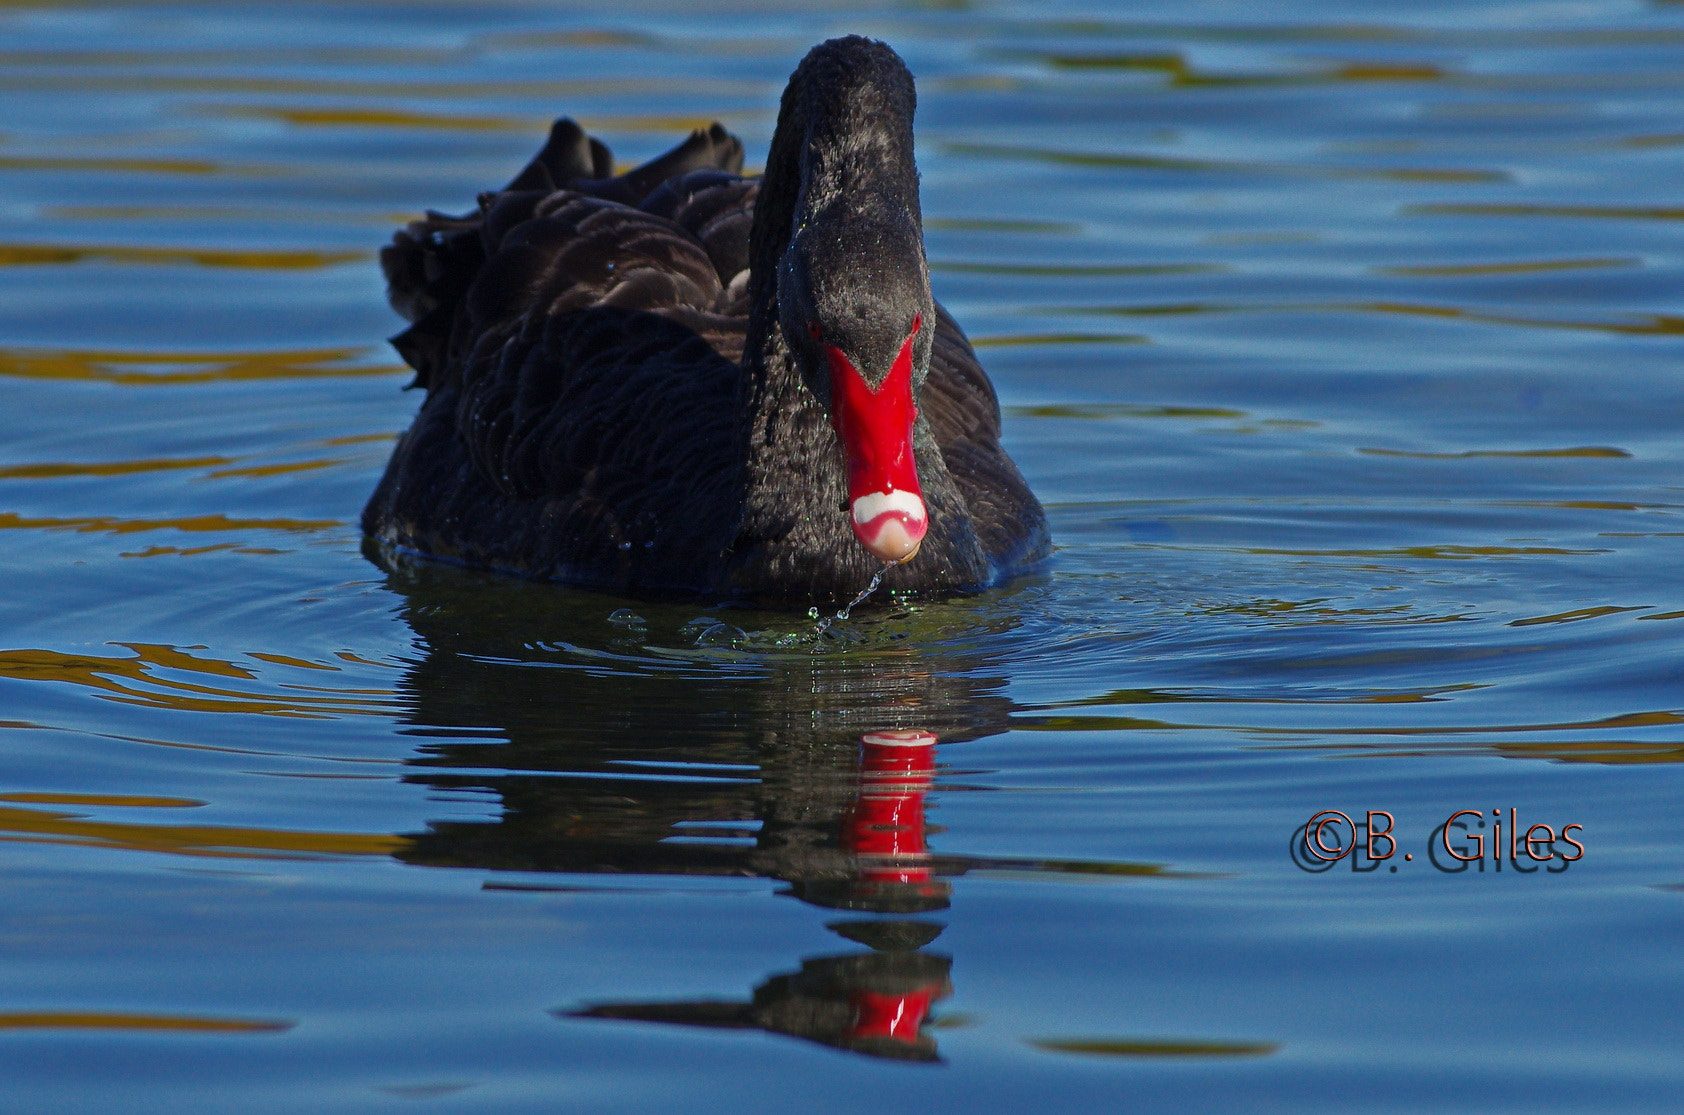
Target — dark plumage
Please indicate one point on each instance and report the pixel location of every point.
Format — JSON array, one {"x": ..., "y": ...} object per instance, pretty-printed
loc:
[{"x": 627, "y": 380}]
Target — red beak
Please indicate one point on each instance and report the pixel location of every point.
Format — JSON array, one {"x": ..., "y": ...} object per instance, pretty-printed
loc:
[{"x": 887, "y": 506}]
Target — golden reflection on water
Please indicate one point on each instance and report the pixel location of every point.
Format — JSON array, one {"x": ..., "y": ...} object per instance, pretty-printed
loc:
[
  {"x": 284, "y": 469},
  {"x": 1658, "y": 719},
  {"x": 16, "y": 255},
  {"x": 1426, "y": 553},
  {"x": 209, "y": 468},
  {"x": 1523, "y": 267},
  {"x": 1179, "y": 73},
  {"x": 362, "y": 117},
  {"x": 1618, "y": 752},
  {"x": 1012, "y": 340},
  {"x": 139, "y": 679},
  {"x": 191, "y": 59},
  {"x": 1076, "y": 270},
  {"x": 1493, "y": 37},
  {"x": 1421, "y": 741},
  {"x": 288, "y": 660},
  {"x": 161, "y": 368},
  {"x": 1573, "y": 616},
  {"x": 1003, "y": 224},
  {"x": 1587, "y": 451},
  {"x": 54, "y": 826},
  {"x": 192, "y": 524},
  {"x": 61, "y": 470},
  {"x": 1642, "y": 325},
  {"x": 118, "y": 1020},
  {"x": 119, "y": 801},
  {"x": 379, "y": 118},
  {"x": 1594, "y": 751},
  {"x": 1604, "y": 212},
  {"x": 1122, "y": 410},
  {"x": 1154, "y": 1047},
  {"x": 559, "y": 91},
  {"x": 1171, "y": 65},
  {"x": 194, "y": 551},
  {"x": 111, "y": 165},
  {"x": 1218, "y": 166},
  {"x": 1120, "y": 697},
  {"x": 206, "y": 213}
]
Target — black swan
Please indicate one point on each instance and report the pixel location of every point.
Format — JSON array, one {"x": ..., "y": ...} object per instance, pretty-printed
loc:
[{"x": 679, "y": 379}]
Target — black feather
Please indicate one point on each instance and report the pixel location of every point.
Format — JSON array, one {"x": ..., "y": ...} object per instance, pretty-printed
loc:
[{"x": 613, "y": 398}]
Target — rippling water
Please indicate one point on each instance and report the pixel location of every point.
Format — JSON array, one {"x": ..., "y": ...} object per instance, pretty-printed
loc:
[{"x": 1341, "y": 342}]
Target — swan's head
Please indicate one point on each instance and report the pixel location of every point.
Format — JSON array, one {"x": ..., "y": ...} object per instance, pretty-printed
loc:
[{"x": 854, "y": 301}]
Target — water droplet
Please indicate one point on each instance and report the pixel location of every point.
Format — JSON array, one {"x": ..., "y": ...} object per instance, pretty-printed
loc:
[
  {"x": 625, "y": 617},
  {"x": 721, "y": 635},
  {"x": 876, "y": 579}
]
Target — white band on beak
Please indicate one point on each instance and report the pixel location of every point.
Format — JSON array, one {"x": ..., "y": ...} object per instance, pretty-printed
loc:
[{"x": 870, "y": 506}]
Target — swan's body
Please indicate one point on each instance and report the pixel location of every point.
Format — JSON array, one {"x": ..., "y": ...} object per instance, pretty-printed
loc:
[{"x": 680, "y": 379}]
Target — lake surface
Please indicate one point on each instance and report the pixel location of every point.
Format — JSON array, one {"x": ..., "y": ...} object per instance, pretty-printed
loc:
[{"x": 1343, "y": 344}]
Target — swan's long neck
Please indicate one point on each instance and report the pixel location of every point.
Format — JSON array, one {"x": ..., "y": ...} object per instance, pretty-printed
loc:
[
  {"x": 841, "y": 156},
  {"x": 843, "y": 142}
]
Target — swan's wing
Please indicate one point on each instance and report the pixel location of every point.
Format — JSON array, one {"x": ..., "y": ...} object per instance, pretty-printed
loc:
[
  {"x": 430, "y": 263},
  {"x": 960, "y": 404},
  {"x": 551, "y": 370},
  {"x": 576, "y": 351}
]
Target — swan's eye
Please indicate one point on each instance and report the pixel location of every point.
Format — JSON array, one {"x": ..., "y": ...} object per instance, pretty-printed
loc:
[
  {"x": 917, "y": 323},
  {"x": 814, "y": 331}
]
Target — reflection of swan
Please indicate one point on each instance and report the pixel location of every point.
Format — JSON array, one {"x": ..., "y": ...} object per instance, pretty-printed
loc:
[
  {"x": 839, "y": 820},
  {"x": 616, "y": 759},
  {"x": 841, "y": 824},
  {"x": 611, "y": 759},
  {"x": 588, "y": 418},
  {"x": 876, "y": 1002}
]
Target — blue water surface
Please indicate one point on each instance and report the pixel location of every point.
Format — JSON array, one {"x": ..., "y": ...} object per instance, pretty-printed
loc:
[{"x": 1341, "y": 342}]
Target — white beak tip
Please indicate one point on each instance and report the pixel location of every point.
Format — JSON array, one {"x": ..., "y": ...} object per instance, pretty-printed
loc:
[{"x": 891, "y": 524}]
